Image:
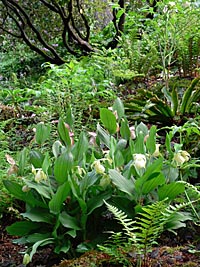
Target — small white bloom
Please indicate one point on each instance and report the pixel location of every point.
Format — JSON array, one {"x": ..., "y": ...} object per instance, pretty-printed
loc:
[
  {"x": 99, "y": 168},
  {"x": 181, "y": 157},
  {"x": 40, "y": 175},
  {"x": 139, "y": 161},
  {"x": 156, "y": 153}
]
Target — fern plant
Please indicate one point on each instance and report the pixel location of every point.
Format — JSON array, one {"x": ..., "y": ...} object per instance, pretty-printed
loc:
[{"x": 142, "y": 233}]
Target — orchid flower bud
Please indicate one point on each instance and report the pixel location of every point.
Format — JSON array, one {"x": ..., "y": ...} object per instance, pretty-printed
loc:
[
  {"x": 99, "y": 168},
  {"x": 139, "y": 161},
  {"x": 181, "y": 157}
]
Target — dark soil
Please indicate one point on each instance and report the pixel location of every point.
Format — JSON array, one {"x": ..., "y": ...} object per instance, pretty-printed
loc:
[{"x": 180, "y": 250}]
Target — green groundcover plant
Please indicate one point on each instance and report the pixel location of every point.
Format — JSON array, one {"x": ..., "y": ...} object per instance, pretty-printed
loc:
[{"x": 64, "y": 187}]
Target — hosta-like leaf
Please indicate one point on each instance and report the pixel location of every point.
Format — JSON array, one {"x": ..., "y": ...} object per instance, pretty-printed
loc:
[
  {"x": 42, "y": 133},
  {"x": 39, "y": 215},
  {"x": 69, "y": 221},
  {"x": 170, "y": 191},
  {"x": 28, "y": 197},
  {"x": 80, "y": 147},
  {"x": 119, "y": 107},
  {"x": 60, "y": 196},
  {"x": 22, "y": 228},
  {"x": 36, "y": 158},
  {"x": 62, "y": 167},
  {"x": 64, "y": 133},
  {"x": 109, "y": 120},
  {"x": 122, "y": 183},
  {"x": 151, "y": 140}
]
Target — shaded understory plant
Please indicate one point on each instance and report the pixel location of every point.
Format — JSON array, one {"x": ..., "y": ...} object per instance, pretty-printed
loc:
[
  {"x": 166, "y": 107},
  {"x": 64, "y": 186}
]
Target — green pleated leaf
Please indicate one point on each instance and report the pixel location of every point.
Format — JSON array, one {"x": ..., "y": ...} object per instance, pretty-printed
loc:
[
  {"x": 153, "y": 181},
  {"x": 64, "y": 133},
  {"x": 38, "y": 215},
  {"x": 109, "y": 120},
  {"x": 80, "y": 147},
  {"x": 119, "y": 159},
  {"x": 36, "y": 158},
  {"x": 22, "y": 161},
  {"x": 103, "y": 136},
  {"x": 170, "y": 191},
  {"x": 119, "y": 107},
  {"x": 124, "y": 129},
  {"x": 62, "y": 167},
  {"x": 60, "y": 196},
  {"x": 98, "y": 201},
  {"x": 42, "y": 133},
  {"x": 122, "y": 183},
  {"x": 42, "y": 189},
  {"x": 28, "y": 197},
  {"x": 69, "y": 221},
  {"x": 151, "y": 140},
  {"x": 22, "y": 228}
]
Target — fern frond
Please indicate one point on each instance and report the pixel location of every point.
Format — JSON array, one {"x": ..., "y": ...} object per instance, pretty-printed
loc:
[
  {"x": 150, "y": 224},
  {"x": 128, "y": 224}
]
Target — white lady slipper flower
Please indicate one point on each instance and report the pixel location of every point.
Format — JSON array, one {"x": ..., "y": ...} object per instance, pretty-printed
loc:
[
  {"x": 99, "y": 168},
  {"x": 156, "y": 153},
  {"x": 139, "y": 161},
  {"x": 181, "y": 157},
  {"x": 40, "y": 175}
]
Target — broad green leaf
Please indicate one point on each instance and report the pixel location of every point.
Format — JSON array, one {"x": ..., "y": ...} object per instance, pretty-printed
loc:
[
  {"x": 80, "y": 147},
  {"x": 170, "y": 191},
  {"x": 28, "y": 197},
  {"x": 42, "y": 133},
  {"x": 22, "y": 228},
  {"x": 33, "y": 238},
  {"x": 64, "y": 133},
  {"x": 41, "y": 188},
  {"x": 151, "y": 140},
  {"x": 152, "y": 182},
  {"x": 124, "y": 129},
  {"x": 22, "y": 161},
  {"x": 119, "y": 107},
  {"x": 60, "y": 196},
  {"x": 155, "y": 167},
  {"x": 63, "y": 247},
  {"x": 139, "y": 147},
  {"x": 103, "y": 136},
  {"x": 109, "y": 120},
  {"x": 69, "y": 221},
  {"x": 122, "y": 183},
  {"x": 46, "y": 163},
  {"x": 119, "y": 159},
  {"x": 98, "y": 201},
  {"x": 39, "y": 215},
  {"x": 63, "y": 165},
  {"x": 70, "y": 117},
  {"x": 36, "y": 158}
]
